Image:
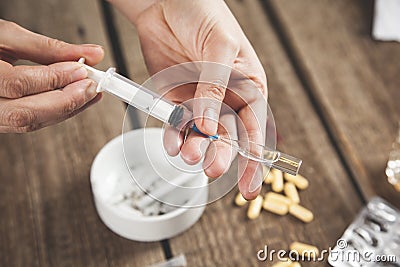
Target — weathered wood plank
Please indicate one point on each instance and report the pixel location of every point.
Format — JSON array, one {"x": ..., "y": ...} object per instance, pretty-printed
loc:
[
  {"x": 47, "y": 213},
  {"x": 134, "y": 60},
  {"x": 224, "y": 236},
  {"x": 353, "y": 78}
]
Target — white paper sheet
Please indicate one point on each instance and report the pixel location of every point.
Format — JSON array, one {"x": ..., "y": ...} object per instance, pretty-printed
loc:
[{"x": 386, "y": 25}]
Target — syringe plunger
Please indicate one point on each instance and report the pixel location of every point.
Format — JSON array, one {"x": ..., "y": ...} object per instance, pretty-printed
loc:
[{"x": 138, "y": 96}]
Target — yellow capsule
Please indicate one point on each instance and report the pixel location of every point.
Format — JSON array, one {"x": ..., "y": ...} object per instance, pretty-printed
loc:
[
  {"x": 255, "y": 208},
  {"x": 284, "y": 263},
  {"x": 240, "y": 200},
  {"x": 291, "y": 192},
  {"x": 275, "y": 206},
  {"x": 268, "y": 175},
  {"x": 295, "y": 264},
  {"x": 299, "y": 181},
  {"x": 278, "y": 197},
  {"x": 301, "y": 213},
  {"x": 305, "y": 250},
  {"x": 277, "y": 182},
  {"x": 397, "y": 187}
]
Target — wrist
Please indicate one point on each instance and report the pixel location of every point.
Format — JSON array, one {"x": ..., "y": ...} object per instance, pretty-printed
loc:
[{"x": 132, "y": 8}]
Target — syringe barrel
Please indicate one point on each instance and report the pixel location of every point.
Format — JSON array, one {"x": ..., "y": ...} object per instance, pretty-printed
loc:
[{"x": 144, "y": 99}]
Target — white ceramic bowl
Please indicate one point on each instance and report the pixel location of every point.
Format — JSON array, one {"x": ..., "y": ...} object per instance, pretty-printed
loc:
[{"x": 126, "y": 221}]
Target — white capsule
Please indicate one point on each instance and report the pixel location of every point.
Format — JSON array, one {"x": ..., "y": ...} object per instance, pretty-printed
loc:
[
  {"x": 277, "y": 182},
  {"x": 291, "y": 192},
  {"x": 284, "y": 263},
  {"x": 397, "y": 187},
  {"x": 299, "y": 181},
  {"x": 278, "y": 197},
  {"x": 255, "y": 207},
  {"x": 275, "y": 206},
  {"x": 301, "y": 213},
  {"x": 268, "y": 175},
  {"x": 240, "y": 200},
  {"x": 305, "y": 250}
]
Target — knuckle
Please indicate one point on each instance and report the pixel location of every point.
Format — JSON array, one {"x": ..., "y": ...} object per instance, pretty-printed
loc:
[
  {"x": 70, "y": 106},
  {"x": 21, "y": 117},
  {"x": 15, "y": 87},
  {"x": 30, "y": 128},
  {"x": 25, "y": 129},
  {"x": 216, "y": 92},
  {"x": 55, "y": 78},
  {"x": 53, "y": 43},
  {"x": 4, "y": 86},
  {"x": 254, "y": 134},
  {"x": 261, "y": 86},
  {"x": 230, "y": 42},
  {"x": 260, "y": 82},
  {"x": 19, "y": 87}
]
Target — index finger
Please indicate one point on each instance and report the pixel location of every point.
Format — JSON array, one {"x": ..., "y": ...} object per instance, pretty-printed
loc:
[
  {"x": 19, "y": 81},
  {"x": 24, "y": 44},
  {"x": 254, "y": 120},
  {"x": 220, "y": 51}
]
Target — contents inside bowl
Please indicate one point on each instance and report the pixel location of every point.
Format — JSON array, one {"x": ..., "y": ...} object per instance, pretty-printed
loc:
[{"x": 141, "y": 190}]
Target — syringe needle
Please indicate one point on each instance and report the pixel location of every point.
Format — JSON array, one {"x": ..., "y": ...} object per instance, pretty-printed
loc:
[{"x": 259, "y": 153}]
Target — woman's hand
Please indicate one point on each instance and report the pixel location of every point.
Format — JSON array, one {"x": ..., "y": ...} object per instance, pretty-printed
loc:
[
  {"x": 176, "y": 31},
  {"x": 29, "y": 98}
]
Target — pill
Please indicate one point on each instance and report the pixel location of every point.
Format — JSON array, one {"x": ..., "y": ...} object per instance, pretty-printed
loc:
[
  {"x": 255, "y": 207},
  {"x": 299, "y": 181},
  {"x": 268, "y": 175},
  {"x": 295, "y": 264},
  {"x": 291, "y": 192},
  {"x": 284, "y": 263},
  {"x": 301, "y": 213},
  {"x": 240, "y": 200},
  {"x": 275, "y": 206},
  {"x": 397, "y": 187},
  {"x": 305, "y": 250},
  {"x": 278, "y": 197},
  {"x": 277, "y": 182}
]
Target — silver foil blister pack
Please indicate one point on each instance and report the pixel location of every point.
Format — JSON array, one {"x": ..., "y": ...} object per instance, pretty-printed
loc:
[{"x": 372, "y": 240}]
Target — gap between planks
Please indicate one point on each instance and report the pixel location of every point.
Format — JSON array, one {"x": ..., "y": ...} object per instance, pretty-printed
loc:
[
  {"x": 119, "y": 59},
  {"x": 307, "y": 83}
]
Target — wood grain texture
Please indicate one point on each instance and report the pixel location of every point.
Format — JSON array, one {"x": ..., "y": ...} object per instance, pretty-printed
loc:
[
  {"x": 137, "y": 71},
  {"x": 224, "y": 236},
  {"x": 353, "y": 79},
  {"x": 47, "y": 212}
]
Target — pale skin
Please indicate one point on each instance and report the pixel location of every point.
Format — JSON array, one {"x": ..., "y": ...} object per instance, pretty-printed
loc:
[{"x": 170, "y": 32}]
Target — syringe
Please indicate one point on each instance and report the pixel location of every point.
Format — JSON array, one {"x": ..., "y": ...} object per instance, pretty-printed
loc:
[{"x": 179, "y": 116}]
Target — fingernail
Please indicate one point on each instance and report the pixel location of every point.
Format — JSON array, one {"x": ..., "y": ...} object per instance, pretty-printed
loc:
[
  {"x": 91, "y": 91},
  {"x": 99, "y": 47},
  {"x": 79, "y": 73},
  {"x": 92, "y": 45},
  {"x": 210, "y": 121}
]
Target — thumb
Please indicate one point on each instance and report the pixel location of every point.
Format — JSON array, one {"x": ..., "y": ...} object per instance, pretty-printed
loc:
[
  {"x": 24, "y": 44},
  {"x": 220, "y": 52}
]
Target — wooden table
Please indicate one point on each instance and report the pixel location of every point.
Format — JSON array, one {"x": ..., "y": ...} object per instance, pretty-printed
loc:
[{"x": 334, "y": 93}]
